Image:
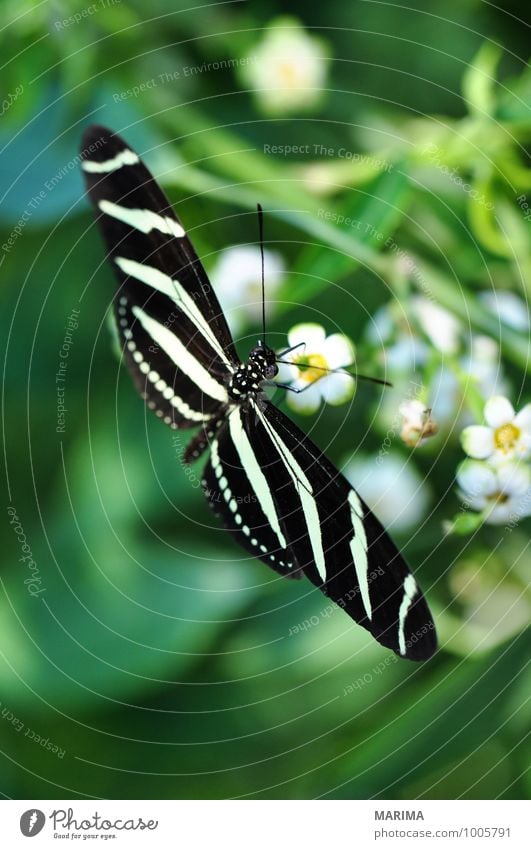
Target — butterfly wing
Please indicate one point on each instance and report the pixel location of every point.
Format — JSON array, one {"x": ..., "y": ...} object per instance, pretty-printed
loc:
[
  {"x": 239, "y": 494},
  {"x": 175, "y": 338},
  {"x": 328, "y": 532}
]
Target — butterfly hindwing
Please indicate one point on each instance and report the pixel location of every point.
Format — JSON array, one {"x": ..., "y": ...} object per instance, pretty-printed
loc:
[
  {"x": 239, "y": 494},
  {"x": 335, "y": 539}
]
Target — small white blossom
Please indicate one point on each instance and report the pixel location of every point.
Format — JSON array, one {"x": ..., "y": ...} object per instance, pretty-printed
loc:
[
  {"x": 417, "y": 424},
  {"x": 505, "y": 436},
  {"x": 309, "y": 364},
  {"x": 237, "y": 279},
  {"x": 502, "y": 493},
  {"x": 441, "y": 327},
  {"x": 288, "y": 73}
]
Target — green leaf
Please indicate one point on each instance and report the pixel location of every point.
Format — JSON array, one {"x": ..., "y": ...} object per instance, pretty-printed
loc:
[
  {"x": 367, "y": 217},
  {"x": 479, "y": 81},
  {"x": 464, "y": 524}
]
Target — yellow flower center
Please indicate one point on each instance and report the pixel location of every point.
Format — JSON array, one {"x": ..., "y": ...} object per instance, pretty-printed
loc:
[
  {"x": 506, "y": 437},
  {"x": 312, "y": 367},
  {"x": 498, "y": 497},
  {"x": 289, "y": 73}
]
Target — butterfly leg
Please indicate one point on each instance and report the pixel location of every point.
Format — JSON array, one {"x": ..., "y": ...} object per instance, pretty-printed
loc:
[{"x": 286, "y": 386}]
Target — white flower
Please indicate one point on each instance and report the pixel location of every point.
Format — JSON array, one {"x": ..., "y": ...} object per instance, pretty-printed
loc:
[
  {"x": 508, "y": 308},
  {"x": 441, "y": 327},
  {"x": 237, "y": 279},
  {"x": 392, "y": 488},
  {"x": 309, "y": 364},
  {"x": 484, "y": 364},
  {"x": 502, "y": 493},
  {"x": 505, "y": 436},
  {"x": 289, "y": 68},
  {"x": 418, "y": 423}
]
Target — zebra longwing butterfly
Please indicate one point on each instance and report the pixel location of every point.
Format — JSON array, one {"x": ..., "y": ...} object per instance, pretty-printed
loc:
[{"x": 303, "y": 517}]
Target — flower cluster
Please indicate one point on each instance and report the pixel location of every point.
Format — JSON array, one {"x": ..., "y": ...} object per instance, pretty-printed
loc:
[{"x": 495, "y": 480}]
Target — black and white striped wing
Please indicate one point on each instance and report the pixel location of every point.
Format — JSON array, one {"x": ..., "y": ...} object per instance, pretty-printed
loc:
[
  {"x": 239, "y": 493},
  {"x": 303, "y": 511},
  {"x": 174, "y": 335}
]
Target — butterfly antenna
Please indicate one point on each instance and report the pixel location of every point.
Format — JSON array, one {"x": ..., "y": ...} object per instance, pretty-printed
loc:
[
  {"x": 355, "y": 375},
  {"x": 261, "y": 239}
]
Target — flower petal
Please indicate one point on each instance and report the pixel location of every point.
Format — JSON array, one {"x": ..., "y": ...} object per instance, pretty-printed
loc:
[
  {"x": 514, "y": 478},
  {"x": 500, "y": 513},
  {"x": 338, "y": 351},
  {"x": 476, "y": 479},
  {"x": 477, "y": 441},
  {"x": 312, "y": 335},
  {"x": 336, "y": 388},
  {"x": 522, "y": 419},
  {"x": 498, "y": 411},
  {"x": 287, "y": 372},
  {"x": 306, "y": 402},
  {"x": 414, "y": 412}
]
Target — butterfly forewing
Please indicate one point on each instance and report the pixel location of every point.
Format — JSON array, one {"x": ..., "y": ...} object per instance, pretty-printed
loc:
[{"x": 175, "y": 338}]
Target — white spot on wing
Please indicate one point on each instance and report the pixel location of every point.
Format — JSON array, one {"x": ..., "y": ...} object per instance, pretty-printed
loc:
[{"x": 125, "y": 157}]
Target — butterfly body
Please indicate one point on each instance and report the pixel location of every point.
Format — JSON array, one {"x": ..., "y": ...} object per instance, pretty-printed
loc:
[
  {"x": 249, "y": 377},
  {"x": 277, "y": 494}
]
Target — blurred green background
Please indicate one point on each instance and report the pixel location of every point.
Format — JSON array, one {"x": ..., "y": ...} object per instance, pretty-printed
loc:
[{"x": 152, "y": 660}]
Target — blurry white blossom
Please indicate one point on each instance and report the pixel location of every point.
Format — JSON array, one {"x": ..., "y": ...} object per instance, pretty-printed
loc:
[
  {"x": 288, "y": 71},
  {"x": 508, "y": 307},
  {"x": 441, "y": 327},
  {"x": 400, "y": 350},
  {"x": 502, "y": 493},
  {"x": 237, "y": 279},
  {"x": 316, "y": 355},
  {"x": 483, "y": 363},
  {"x": 418, "y": 423},
  {"x": 392, "y": 487},
  {"x": 506, "y": 435}
]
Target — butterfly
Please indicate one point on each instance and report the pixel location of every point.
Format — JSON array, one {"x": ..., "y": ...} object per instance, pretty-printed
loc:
[{"x": 275, "y": 492}]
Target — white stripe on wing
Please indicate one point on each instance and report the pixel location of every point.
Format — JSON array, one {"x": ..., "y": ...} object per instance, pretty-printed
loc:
[
  {"x": 410, "y": 591},
  {"x": 155, "y": 278},
  {"x": 358, "y": 547},
  {"x": 125, "y": 157},
  {"x": 181, "y": 356},
  {"x": 144, "y": 220},
  {"x": 305, "y": 491},
  {"x": 254, "y": 473}
]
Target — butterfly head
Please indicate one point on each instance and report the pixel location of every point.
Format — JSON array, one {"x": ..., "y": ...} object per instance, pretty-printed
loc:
[{"x": 265, "y": 360}]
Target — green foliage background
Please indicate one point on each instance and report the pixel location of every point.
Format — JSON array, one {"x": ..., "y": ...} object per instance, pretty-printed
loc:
[{"x": 158, "y": 658}]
